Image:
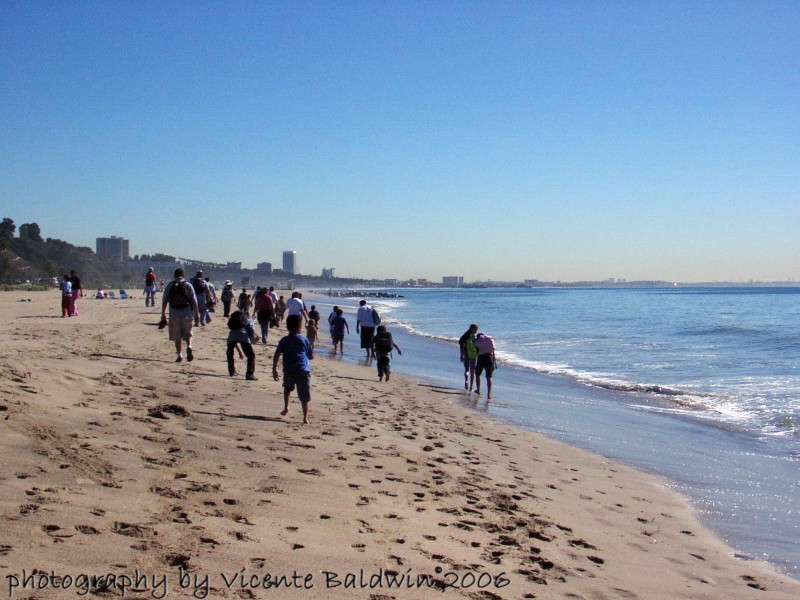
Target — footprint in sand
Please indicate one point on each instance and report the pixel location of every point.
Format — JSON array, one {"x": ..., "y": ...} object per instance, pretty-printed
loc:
[
  {"x": 314, "y": 472},
  {"x": 87, "y": 530}
]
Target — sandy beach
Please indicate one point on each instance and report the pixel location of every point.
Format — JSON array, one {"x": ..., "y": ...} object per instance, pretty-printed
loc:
[{"x": 126, "y": 474}]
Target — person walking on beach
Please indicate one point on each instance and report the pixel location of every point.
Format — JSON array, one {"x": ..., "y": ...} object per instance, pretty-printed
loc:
[
  {"x": 469, "y": 355},
  {"x": 244, "y": 302},
  {"x": 297, "y": 352},
  {"x": 295, "y": 306},
  {"x": 331, "y": 317},
  {"x": 265, "y": 312},
  {"x": 150, "y": 287},
  {"x": 382, "y": 346},
  {"x": 338, "y": 327},
  {"x": 201, "y": 292},
  {"x": 314, "y": 315},
  {"x": 240, "y": 334},
  {"x": 486, "y": 362},
  {"x": 211, "y": 298},
  {"x": 365, "y": 324},
  {"x": 281, "y": 308},
  {"x": 312, "y": 332},
  {"x": 77, "y": 292},
  {"x": 227, "y": 297},
  {"x": 66, "y": 297},
  {"x": 183, "y": 312}
]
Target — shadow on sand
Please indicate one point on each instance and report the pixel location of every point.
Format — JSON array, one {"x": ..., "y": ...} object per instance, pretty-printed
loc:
[{"x": 248, "y": 417}]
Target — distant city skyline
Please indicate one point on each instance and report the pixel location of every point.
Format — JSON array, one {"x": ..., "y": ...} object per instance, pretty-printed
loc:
[{"x": 493, "y": 141}]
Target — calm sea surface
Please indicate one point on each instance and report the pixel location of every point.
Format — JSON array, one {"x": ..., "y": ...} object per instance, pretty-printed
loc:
[
  {"x": 731, "y": 355},
  {"x": 699, "y": 385}
]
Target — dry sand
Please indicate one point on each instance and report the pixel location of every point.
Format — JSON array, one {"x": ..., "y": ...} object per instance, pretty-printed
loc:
[{"x": 117, "y": 460}]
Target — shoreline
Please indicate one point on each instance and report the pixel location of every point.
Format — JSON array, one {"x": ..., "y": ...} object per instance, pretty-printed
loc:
[
  {"x": 106, "y": 471},
  {"x": 741, "y": 485}
]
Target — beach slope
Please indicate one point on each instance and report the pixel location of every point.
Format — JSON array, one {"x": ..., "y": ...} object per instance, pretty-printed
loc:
[{"x": 126, "y": 472}]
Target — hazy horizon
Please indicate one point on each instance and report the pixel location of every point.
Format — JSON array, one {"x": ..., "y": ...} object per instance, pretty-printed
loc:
[{"x": 504, "y": 141}]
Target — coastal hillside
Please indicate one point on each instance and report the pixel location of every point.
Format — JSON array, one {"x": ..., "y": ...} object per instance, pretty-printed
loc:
[{"x": 27, "y": 257}]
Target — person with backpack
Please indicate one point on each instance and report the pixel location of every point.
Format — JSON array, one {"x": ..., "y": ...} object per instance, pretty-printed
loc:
[
  {"x": 469, "y": 355},
  {"x": 382, "y": 346},
  {"x": 227, "y": 297},
  {"x": 201, "y": 292},
  {"x": 183, "y": 313},
  {"x": 486, "y": 362},
  {"x": 241, "y": 332}
]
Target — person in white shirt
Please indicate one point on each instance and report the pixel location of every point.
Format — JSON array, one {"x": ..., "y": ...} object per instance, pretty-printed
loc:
[
  {"x": 365, "y": 324},
  {"x": 295, "y": 306}
]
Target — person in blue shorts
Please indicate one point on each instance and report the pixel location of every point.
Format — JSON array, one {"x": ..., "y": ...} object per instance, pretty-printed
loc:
[{"x": 297, "y": 354}]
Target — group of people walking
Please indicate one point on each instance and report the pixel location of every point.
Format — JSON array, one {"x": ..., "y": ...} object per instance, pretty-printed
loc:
[{"x": 191, "y": 302}]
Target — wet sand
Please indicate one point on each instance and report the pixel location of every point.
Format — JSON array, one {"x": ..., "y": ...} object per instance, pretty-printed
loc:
[{"x": 120, "y": 461}]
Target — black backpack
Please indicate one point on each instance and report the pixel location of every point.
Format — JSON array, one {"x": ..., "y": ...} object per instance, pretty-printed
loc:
[
  {"x": 179, "y": 296},
  {"x": 199, "y": 285},
  {"x": 384, "y": 342}
]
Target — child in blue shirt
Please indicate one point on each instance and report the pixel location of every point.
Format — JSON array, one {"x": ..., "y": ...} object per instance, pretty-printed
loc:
[{"x": 297, "y": 352}]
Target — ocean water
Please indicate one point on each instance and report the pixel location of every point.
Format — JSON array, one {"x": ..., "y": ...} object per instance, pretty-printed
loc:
[
  {"x": 699, "y": 385},
  {"x": 728, "y": 355}
]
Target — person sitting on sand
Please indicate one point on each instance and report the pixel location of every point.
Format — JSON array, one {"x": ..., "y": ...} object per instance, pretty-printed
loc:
[
  {"x": 338, "y": 327},
  {"x": 297, "y": 352},
  {"x": 382, "y": 346}
]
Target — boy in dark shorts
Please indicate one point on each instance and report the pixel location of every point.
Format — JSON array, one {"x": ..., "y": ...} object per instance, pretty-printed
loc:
[
  {"x": 297, "y": 352},
  {"x": 382, "y": 346},
  {"x": 486, "y": 362}
]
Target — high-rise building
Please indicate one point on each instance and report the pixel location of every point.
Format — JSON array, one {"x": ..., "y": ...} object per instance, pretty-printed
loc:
[
  {"x": 290, "y": 261},
  {"x": 453, "y": 281},
  {"x": 329, "y": 273},
  {"x": 264, "y": 267},
  {"x": 113, "y": 247}
]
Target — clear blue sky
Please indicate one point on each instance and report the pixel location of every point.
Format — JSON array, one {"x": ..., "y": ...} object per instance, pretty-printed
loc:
[{"x": 494, "y": 140}]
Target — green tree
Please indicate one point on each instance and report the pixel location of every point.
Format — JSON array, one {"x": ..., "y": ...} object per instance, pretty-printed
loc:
[
  {"x": 30, "y": 231},
  {"x": 7, "y": 229}
]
